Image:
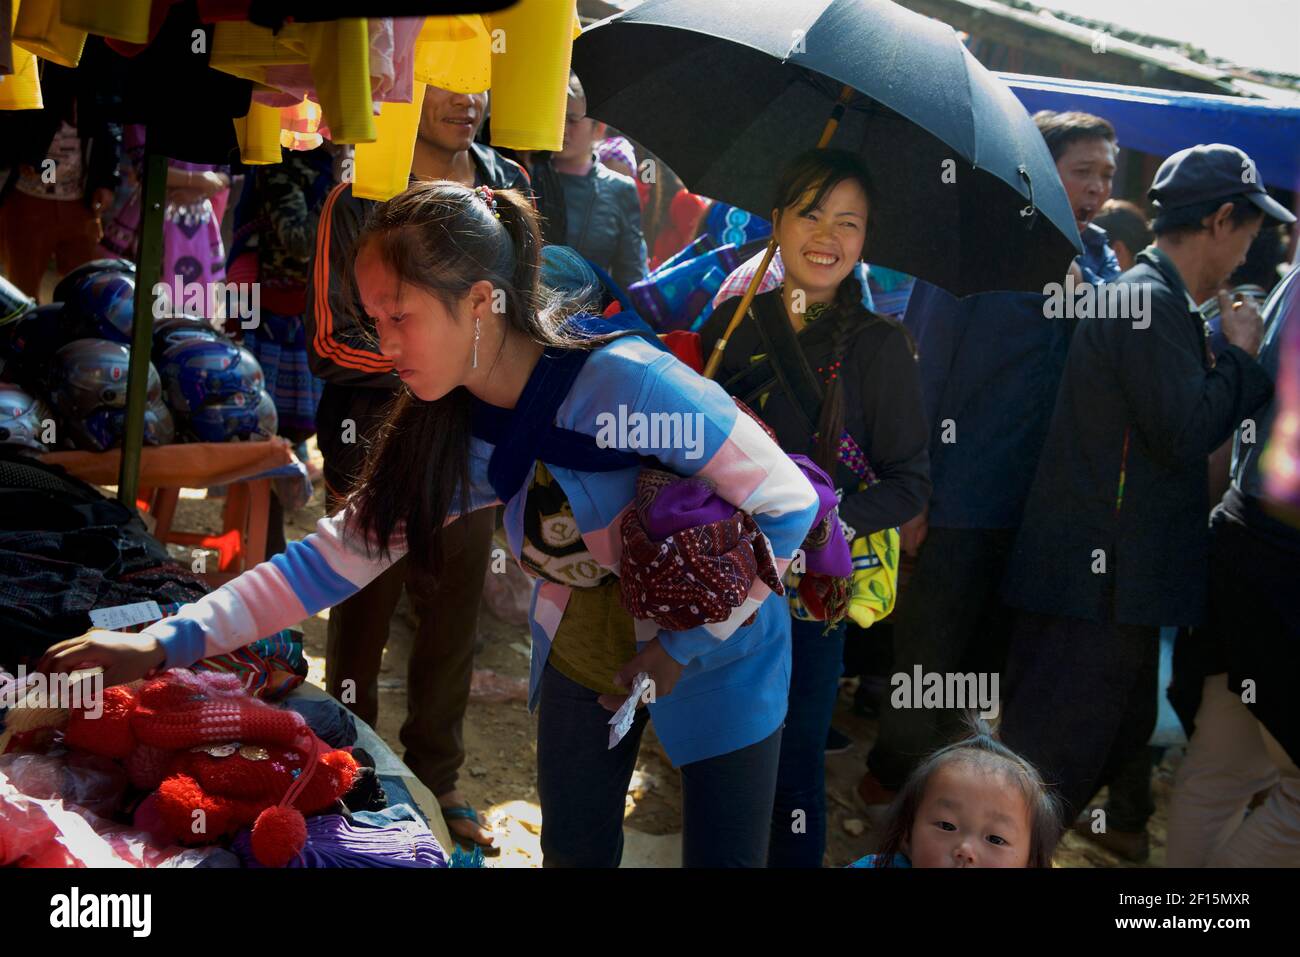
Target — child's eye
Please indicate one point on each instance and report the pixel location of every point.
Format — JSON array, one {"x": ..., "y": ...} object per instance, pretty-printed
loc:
[
  {"x": 994, "y": 839},
  {"x": 946, "y": 825}
]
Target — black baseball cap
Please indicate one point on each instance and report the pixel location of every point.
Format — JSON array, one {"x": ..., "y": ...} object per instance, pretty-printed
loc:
[{"x": 1212, "y": 171}]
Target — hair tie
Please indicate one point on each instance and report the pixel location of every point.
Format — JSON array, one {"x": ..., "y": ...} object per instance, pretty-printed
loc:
[{"x": 488, "y": 197}]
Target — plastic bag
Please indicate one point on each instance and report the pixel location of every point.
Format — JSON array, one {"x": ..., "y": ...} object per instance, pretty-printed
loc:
[{"x": 88, "y": 780}]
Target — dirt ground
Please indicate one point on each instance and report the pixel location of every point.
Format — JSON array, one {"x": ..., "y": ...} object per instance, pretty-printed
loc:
[{"x": 499, "y": 776}]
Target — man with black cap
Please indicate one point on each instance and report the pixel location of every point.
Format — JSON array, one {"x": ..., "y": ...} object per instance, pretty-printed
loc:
[{"x": 1114, "y": 541}]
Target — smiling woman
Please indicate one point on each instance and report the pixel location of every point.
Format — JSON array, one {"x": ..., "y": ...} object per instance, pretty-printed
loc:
[{"x": 838, "y": 383}]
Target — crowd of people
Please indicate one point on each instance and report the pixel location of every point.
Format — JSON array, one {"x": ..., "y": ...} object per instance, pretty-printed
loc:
[{"x": 1049, "y": 477}]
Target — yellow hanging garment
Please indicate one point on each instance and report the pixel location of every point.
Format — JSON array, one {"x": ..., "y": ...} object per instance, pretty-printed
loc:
[
  {"x": 532, "y": 46},
  {"x": 240, "y": 43},
  {"x": 454, "y": 53},
  {"x": 121, "y": 19},
  {"x": 245, "y": 50},
  {"x": 383, "y": 167},
  {"x": 258, "y": 134},
  {"x": 39, "y": 30},
  {"x": 339, "y": 54},
  {"x": 21, "y": 90}
]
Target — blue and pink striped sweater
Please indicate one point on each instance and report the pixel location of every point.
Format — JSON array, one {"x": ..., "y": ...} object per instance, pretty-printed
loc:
[{"x": 734, "y": 688}]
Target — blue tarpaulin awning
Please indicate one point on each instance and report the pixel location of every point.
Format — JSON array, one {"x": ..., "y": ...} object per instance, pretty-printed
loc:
[{"x": 1162, "y": 122}]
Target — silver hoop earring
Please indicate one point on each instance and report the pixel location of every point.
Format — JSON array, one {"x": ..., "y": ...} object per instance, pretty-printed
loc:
[{"x": 477, "y": 333}]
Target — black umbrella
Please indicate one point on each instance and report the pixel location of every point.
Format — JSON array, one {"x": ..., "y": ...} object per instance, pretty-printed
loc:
[{"x": 727, "y": 91}]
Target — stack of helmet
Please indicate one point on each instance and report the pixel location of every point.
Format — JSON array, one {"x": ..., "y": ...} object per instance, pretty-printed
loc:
[{"x": 76, "y": 353}]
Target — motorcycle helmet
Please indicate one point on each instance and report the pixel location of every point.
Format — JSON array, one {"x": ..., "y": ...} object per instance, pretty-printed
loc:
[
  {"x": 32, "y": 340},
  {"x": 173, "y": 329},
  {"x": 90, "y": 374},
  {"x": 244, "y": 415},
  {"x": 63, "y": 291},
  {"x": 14, "y": 302},
  {"x": 104, "y": 429},
  {"x": 197, "y": 371},
  {"x": 22, "y": 418},
  {"x": 106, "y": 301}
]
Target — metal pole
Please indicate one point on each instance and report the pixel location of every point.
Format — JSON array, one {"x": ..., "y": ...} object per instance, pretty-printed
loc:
[{"x": 149, "y": 255}]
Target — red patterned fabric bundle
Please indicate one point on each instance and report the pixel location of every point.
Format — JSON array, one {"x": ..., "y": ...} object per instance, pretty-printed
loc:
[{"x": 701, "y": 572}]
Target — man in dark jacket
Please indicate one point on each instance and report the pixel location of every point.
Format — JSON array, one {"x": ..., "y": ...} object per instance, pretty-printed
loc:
[
  {"x": 586, "y": 205},
  {"x": 1114, "y": 541},
  {"x": 990, "y": 366},
  {"x": 359, "y": 387},
  {"x": 1235, "y": 679}
]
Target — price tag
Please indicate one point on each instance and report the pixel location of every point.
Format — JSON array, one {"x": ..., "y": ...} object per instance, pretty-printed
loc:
[
  {"x": 621, "y": 723},
  {"x": 123, "y": 616}
]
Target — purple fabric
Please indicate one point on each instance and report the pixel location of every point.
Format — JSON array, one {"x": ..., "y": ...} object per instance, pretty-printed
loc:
[
  {"x": 334, "y": 841},
  {"x": 832, "y": 558},
  {"x": 685, "y": 503}
]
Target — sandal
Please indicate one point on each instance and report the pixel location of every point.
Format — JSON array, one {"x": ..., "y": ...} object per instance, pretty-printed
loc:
[{"x": 465, "y": 812}]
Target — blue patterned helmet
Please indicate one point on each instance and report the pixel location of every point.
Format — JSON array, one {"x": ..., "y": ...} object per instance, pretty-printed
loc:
[
  {"x": 22, "y": 418},
  {"x": 106, "y": 302},
  {"x": 32, "y": 340},
  {"x": 197, "y": 371},
  {"x": 244, "y": 415},
  {"x": 104, "y": 429},
  {"x": 63, "y": 291},
  {"x": 173, "y": 329}
]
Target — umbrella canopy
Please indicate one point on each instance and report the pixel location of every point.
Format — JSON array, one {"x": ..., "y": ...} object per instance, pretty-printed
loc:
[{"x": 727, "y": 92}]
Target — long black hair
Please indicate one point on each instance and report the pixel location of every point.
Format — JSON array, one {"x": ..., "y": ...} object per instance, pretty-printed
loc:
[{"x": 441, "y": 237}]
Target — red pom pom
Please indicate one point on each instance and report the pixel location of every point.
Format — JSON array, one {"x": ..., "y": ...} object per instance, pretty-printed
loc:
[{"x": 279, "y": 835}]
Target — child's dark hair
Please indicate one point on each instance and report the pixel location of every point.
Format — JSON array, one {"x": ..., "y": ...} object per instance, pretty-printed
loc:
[
  {"x": 820, "y": 171},
  {"x": 443, "y": 238},
  {"x": 982, "y": 749}
]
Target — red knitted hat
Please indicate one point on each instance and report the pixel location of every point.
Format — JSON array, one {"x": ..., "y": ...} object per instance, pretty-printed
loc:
[{"x": 182, "y": 709}]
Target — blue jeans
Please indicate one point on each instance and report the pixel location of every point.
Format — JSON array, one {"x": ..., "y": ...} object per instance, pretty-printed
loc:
[
  {"x": 799, "y": 839},
  {"x": 582, "y": 784}
]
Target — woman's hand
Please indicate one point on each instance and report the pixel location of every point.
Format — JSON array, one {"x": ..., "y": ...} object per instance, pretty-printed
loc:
[
  {"x": 124, "y": 657},
  {"x": 663, "y": 669}
]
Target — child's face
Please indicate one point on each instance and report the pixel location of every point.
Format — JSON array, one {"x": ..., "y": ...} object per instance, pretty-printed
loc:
[{"x": 970, "y": 817}]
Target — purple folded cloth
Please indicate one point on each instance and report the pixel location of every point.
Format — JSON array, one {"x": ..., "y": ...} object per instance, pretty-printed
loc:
[
  {"x": 334, "y": 841},
  {"x": 682, "y": 504},
  {"x": 826, "y": 552}
]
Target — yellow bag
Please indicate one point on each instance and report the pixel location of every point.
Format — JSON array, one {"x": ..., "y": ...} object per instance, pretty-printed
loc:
[{"x": 875, "y": 576}]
